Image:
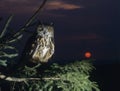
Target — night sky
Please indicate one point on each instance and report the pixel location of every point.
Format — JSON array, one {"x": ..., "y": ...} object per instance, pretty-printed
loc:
[{"x": 80, "y": 25}]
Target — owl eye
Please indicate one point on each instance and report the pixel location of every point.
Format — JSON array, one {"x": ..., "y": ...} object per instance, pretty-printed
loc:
[{"x": 39, "y": 28}]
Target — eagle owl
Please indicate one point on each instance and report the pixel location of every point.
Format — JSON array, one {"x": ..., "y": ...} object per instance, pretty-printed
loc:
[{"x": 42, "y": 47}]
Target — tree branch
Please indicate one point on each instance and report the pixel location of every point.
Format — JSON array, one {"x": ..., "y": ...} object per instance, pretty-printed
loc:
[
  {"x": 14, "y": 79},
  {"x": 30, "y": 19}
]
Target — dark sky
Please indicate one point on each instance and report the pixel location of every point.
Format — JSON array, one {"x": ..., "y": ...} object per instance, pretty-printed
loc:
[{"x": 80, "y": 25}]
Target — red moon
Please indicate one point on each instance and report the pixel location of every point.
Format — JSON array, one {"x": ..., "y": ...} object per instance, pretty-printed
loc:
[{"x": 88, "y": 54}]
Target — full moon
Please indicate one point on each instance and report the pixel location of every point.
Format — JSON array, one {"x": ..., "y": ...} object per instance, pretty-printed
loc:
[{"x": 88, "y": 54}]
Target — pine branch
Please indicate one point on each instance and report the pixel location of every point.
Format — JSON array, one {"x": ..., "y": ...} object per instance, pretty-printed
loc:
[
  {"x": 6, "y": 26},
  {"x": 70, "y": 77},
  {"x": 14, "y": 79},
  {"x": 3, "y": 62},
  {"x": 4, "y": 54},
  {"x": 30, "y": 19}
]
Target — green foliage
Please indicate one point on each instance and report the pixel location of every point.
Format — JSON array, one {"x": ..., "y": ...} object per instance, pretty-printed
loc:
[
  {"x": 71, "y": 77},
  {"x": 3, "y": 62},
  {"x": 6, "y": 26},
  {"x": 76, "y": 77},
  {"x": 28, "y": 71},
  {"x": 5, "y": 44}
]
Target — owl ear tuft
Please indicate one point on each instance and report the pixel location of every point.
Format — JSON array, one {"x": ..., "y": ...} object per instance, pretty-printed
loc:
[{"x": 51, "y": 24}]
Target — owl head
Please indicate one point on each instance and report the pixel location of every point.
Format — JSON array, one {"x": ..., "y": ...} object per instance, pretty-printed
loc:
[{"x": 45, "y": 30}]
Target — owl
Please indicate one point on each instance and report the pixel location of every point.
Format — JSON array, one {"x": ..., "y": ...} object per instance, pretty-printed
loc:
[
  {"x": 43, "y": 46},
  {"x": 40, "y": 47}
]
